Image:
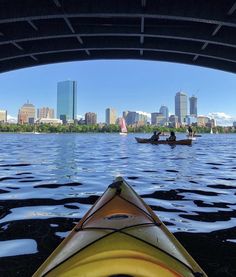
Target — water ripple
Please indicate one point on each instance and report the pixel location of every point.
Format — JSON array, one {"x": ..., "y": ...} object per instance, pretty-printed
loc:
[{"x": 48, "y": 182}]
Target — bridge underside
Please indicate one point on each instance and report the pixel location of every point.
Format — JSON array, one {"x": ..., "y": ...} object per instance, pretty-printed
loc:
[{"x": 196, "y": 32}]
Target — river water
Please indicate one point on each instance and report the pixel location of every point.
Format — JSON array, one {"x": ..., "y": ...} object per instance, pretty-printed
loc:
[{"x": 48, "y": 182}]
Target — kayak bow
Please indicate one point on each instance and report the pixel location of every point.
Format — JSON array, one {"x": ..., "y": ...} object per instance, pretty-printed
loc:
[{"x": 120, "y": 236}]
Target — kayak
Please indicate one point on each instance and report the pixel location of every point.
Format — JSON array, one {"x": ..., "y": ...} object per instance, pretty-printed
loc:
[
  {"x": 178, "y": 142},
  {"x": 120, "y": 236}
]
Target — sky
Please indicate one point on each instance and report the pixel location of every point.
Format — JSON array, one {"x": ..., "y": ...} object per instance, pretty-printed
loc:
[{"x": 124, "y": 85}]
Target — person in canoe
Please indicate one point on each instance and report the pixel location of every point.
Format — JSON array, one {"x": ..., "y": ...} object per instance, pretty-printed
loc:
[
  {"x": 172, "y": 136},
  {"x": 155, "y": 136}
]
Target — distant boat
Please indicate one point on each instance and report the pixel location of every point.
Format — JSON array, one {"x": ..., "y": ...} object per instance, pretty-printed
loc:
[
  {"x": 211, "y": 132},
  {"x": 123, "y": 128},
  {"x": 191, "y": 137}
]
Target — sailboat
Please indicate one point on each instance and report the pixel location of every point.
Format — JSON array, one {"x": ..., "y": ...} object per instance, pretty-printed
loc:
[
  {"x": 123, "y": 128},
  {"x": 211, "y": 132}
]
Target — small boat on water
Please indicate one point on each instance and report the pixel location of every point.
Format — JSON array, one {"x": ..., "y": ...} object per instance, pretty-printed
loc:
[
  {"x": 176, "y": 142},
  {"x": 195, "y": 136},
  {"x": 191, "y": 137},
  {"x": 123, "y": 128},
  {"x": 120, "y": 236}
]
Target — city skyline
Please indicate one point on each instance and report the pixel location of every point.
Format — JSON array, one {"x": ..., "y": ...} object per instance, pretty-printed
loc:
[
  {"x": 66, "y": 103},
  {"x": 124, "y": 85}
]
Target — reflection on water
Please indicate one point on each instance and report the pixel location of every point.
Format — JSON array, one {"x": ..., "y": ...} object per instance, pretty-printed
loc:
[{"x": 48, "y": 182}]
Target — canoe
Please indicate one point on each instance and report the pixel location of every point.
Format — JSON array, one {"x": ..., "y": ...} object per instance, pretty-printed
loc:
[
  {"x": 178, "y": 142},
  {"x": 120, "y": 236}
]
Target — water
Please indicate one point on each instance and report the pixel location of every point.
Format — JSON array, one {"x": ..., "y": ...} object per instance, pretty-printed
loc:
[{"x": 48, "y": 182}]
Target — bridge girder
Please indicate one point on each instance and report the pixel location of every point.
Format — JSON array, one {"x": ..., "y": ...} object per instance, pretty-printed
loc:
[{"x": 196, "y": 32}]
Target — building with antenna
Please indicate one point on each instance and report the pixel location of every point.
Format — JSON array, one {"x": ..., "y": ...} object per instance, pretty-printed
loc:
[{"x": 26, "y": 114}]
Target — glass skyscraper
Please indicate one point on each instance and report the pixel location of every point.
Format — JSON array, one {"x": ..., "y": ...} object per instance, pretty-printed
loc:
[
  {"x": 67, "y": 100},
  {"x": 193, "y": 105},
  {"x": 165, "y": 111},
  {"x": 181, "y": 106}
]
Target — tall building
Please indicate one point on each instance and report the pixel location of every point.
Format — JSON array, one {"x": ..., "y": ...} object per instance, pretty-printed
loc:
[
  {"x": 110, "y": 116},
  {"x": 130, "y": 117},
  {"x": 3, "y": 116},
  {"x": 45, "y": 112},
  {"x": 165, "y": 112},
  {"x": 181, "y": 106},
  {"x": 67, "y": 100},
  {"x": 193, "y": 105},
  {"x": 125, "y": 113},
  {"x": 26, "y": 114},
  {"x": 90, "y": 118}
]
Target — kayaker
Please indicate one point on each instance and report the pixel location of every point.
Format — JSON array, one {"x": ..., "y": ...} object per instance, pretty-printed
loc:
[
  {"x": 172, "y": 136},
  {"x": 155, "y": 136}
]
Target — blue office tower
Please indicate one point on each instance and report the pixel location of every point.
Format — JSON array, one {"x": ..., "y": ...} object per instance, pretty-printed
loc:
[{"x": 67, "y": 100}]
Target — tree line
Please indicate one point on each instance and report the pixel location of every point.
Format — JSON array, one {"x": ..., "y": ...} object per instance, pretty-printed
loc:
[{"x": 100, "y": 128}]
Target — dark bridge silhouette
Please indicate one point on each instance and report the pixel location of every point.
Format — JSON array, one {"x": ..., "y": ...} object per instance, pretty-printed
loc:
[{"x": 196, "y": 32}]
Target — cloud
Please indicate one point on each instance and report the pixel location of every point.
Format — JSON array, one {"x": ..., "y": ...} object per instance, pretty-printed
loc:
[
  {"x": 79, "y": 116},
  {"x": 11, "y": 119},
  {"x": 222, "y": 119},
  {"x": 144, "y": 113}
]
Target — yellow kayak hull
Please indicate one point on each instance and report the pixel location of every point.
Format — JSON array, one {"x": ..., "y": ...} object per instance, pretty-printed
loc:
[{"x": 120, "y": 235}]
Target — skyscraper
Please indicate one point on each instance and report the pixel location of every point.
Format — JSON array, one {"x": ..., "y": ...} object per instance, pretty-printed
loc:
[
  {"x": 165, "y": 112},
  {"x": 67, "y": 100},
  {"x": 26, "y": 114},
  {"x": 193, "y": 105},
  {"x": 130, "y": 117},
  {"x": 181, "y": 106},
  {"x": 110, "y": 116}
]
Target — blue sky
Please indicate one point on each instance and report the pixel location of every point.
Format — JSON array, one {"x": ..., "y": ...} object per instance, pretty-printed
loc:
[{"x": 122, "y": 84}]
